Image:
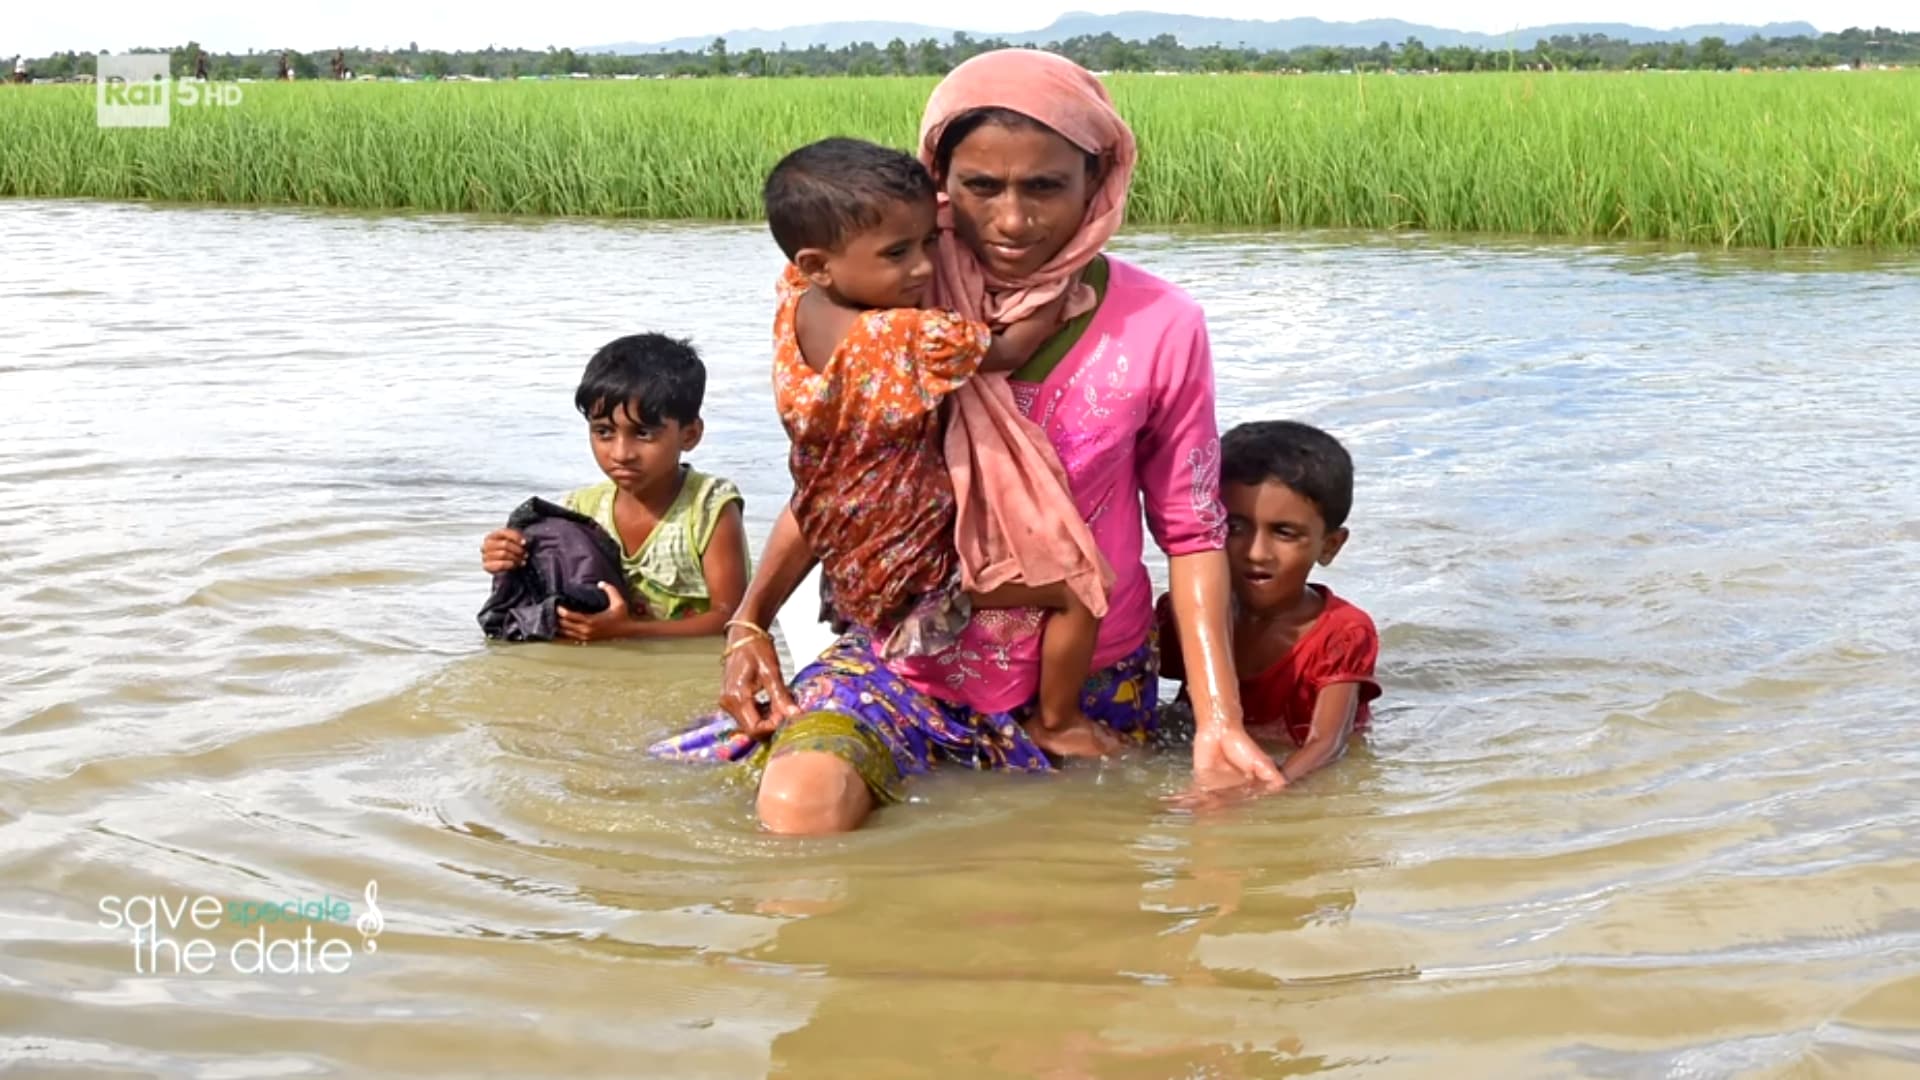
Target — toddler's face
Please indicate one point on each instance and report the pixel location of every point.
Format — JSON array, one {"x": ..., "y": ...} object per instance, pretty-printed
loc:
[
  {"x": 1275, "y": 536},
  {"x": 889, "y": 265}
]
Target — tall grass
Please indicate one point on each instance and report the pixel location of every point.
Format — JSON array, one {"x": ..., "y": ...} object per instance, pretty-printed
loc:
[{"x": 1813, "y": 159}]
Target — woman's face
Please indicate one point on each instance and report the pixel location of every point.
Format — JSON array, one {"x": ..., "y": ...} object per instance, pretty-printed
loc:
[{"x": 1019, "y": 194}]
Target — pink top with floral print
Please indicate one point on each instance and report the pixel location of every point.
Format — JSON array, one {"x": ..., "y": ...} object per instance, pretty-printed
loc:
[{"x": 1130, "y": 412}]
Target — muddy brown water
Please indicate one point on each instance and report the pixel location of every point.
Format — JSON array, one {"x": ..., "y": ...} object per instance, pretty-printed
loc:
[{"x": 1641, "y": 529}]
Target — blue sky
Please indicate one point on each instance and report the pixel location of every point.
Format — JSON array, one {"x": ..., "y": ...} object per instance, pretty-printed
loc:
[{"x": 39, "y": 26}]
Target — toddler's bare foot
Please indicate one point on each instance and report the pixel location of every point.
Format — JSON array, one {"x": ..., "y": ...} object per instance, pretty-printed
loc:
[{"x": 1073, "y": 736}]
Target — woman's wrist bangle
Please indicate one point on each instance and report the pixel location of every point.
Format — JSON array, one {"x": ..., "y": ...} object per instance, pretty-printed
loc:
[
  {"x": 738, "y": 644},
  {"x": 747, "y": 624},
  {"x": 756, "y": 632}
]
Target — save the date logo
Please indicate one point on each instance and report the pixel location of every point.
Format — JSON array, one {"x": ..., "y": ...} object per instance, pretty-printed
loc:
[{"x": 176, "y": 934}]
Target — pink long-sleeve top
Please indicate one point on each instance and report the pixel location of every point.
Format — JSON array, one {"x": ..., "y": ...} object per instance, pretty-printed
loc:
[{"x": 1130, "y": 410}]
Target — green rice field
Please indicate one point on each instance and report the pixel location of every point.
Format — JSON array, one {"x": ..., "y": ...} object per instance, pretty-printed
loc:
[{"x": 1810, "y": 159}]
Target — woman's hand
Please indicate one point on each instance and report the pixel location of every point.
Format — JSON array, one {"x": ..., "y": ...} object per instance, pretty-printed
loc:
[
  {"x": 752, "y": 674},
  {"x": 1228, "y": 758},
  {"x": 503, "y": 550},
  {"x": 752, "y": 688},
  {"x": 615, "y": 622},
  {"x": 1229, "y": 768},
  {"x": 1224, "y": 755}
]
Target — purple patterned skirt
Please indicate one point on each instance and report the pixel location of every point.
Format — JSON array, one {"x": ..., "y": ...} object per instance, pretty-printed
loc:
[{"x": 853, "y": 707}]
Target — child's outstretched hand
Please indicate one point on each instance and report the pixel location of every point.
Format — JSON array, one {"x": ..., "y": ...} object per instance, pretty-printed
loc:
[
  {"x": 503, "y": 550},
  {"x": 615, "y": 622}
]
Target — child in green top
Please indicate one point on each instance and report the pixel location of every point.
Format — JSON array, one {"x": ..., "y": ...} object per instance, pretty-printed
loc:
[{"x": 681, "y": 540}]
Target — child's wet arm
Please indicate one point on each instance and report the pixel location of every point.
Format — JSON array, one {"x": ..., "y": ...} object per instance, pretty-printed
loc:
[
  {"x": 725, "y": 567},
  {"x": 1334, "y": 710}
]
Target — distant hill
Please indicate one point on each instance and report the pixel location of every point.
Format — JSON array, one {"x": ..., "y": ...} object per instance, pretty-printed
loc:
[
  {"x": 1196, "y": 30},
  {"x": 832, "y": 35}
]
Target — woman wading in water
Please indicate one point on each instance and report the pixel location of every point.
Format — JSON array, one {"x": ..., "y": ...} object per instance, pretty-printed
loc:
[{"x": 1033, "y": 166}]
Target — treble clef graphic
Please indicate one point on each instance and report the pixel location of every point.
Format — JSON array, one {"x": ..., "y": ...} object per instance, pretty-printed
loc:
[{"x": 371, "y": 923}]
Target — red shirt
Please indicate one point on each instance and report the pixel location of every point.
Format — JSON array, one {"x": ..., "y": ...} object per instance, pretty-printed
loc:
[{"x": 1340, "y": 647}]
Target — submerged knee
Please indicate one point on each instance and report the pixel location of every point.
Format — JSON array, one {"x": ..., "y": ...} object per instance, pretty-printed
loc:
[{"x": 811, "y": 800}]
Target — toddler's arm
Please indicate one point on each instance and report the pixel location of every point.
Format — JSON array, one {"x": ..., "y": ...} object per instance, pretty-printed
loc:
[{"x": 1015, "y": 345}]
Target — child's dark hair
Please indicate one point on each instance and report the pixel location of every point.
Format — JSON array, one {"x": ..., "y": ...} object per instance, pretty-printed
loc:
[
  {"x": 1302, "y": 457},
  {"x": 656, "y": 377},
  {"x": 824, "y": 192}
]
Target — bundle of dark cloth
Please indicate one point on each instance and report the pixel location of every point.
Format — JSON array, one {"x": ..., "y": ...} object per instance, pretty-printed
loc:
[{"x": 568, "y": 556}]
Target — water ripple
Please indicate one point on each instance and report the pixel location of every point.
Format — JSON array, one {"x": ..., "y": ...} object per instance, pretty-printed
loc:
[{"x": 1637, "y": 525}]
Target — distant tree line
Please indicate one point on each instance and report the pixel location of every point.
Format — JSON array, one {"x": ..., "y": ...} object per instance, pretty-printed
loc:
[{"x": 1103, "y": 52}]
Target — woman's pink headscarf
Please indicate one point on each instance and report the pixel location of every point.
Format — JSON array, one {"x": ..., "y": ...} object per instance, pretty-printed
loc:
[
  {"x": 1015, "y": 518},
  {"x": 1067, "y": 98}
]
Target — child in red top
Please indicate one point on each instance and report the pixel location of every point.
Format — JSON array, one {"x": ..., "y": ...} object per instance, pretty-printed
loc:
[
  {"x": 1304, "y": 655},
  {"x": 860, "y": 370}
]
